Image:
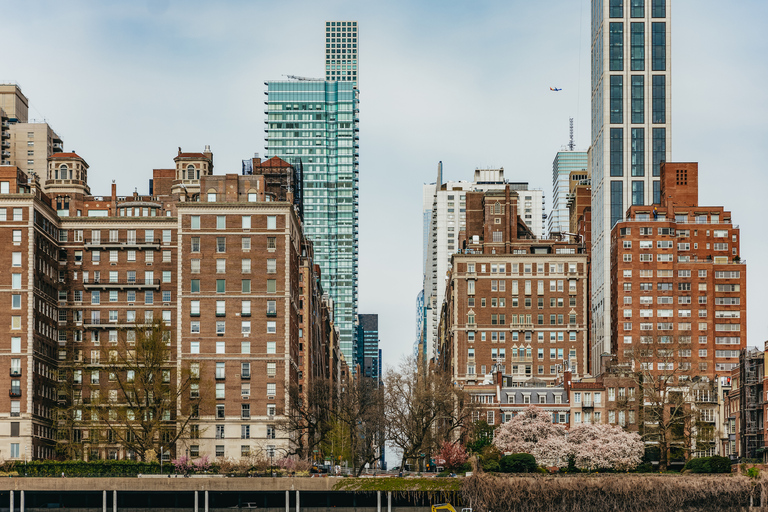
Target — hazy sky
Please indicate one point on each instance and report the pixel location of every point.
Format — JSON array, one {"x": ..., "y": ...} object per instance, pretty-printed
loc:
[{"x": 466, "y": 82}]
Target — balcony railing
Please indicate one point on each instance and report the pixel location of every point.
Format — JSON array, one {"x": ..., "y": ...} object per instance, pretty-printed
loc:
[
  {"x": 15, "y": 372},
  {"x": 122, "y": 243},
  {"x": 123, "y": 284},
  {"x": 14, "y": 392}
]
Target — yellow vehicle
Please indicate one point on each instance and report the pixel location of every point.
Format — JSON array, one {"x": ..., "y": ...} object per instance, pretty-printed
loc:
[{"x": 448, "y": 508}]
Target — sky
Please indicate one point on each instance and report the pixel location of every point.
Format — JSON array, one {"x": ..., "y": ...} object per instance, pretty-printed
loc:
[{"x": 125, "y": 83}]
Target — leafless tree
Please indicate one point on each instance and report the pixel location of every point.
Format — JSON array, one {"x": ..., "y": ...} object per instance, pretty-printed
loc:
[
  {"x": 131, "y": 395},
  {"x": 422, "y": 409},
  {"x": 667, "y": 383}
]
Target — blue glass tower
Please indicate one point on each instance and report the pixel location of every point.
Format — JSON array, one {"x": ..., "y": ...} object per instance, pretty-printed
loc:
[
  {"x": 314, "y": 124},
  {"x": 368, "y": 345}
]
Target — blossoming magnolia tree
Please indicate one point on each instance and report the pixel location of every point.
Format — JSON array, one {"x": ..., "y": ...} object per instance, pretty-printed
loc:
[
  {"x": 592, "y": 446},
  {"x": 532, "y": 431},
  {"x": 601, "y": 446}
]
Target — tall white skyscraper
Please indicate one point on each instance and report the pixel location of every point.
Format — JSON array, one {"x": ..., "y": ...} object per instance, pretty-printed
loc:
[
  {"x": 445, "y": 204},
  {"x": 341, "y": 46},
  {"x": 631, "y": 119}
]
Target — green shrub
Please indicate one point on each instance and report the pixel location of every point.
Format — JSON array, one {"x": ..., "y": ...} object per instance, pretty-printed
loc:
[
  {"x": 646, "y": 467},
  {"x": 753, "y": 473},
  {"x": 491, "y": 466},
  {"x": 518, "y": 463},
  {"x": 464, "y": 468},
  {"x": 720, "y": 464},
  {"x": 714, "y": 464},
  {"x": 81, "y": 468}
]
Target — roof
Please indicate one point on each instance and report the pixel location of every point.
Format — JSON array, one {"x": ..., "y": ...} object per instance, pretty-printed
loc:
[
  {"x": 192, "y": 155},
  {"x": 587, "y": 385},
  {"x": 66, "y": 155},
  {"x": 273, "y": 162}
]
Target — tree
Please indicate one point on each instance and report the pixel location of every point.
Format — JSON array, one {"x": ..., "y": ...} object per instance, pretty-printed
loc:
[
  {"x": 422, "y": 409},
  {"x": 532, "y": 431},
  {"x": 480, "y": 436},
  {"x": 603, "y": 446},
  {"x": 147, "y": 402},
  {"x": 360, "y": 412},
  {"x": 309, "y": 418},
  {"x": 665, "y": 378},
  {"x": 454, "y": 454}
]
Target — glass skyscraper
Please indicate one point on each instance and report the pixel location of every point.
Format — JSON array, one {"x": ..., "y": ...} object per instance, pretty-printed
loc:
[
  {"x": 631, "y": 129},
  {"x": 341, "y": 64},
  {"x": 314, "y": 124},
  {"x": 563, "y": 164}
]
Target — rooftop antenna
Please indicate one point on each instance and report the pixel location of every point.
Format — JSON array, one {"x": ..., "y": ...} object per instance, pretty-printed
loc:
[{"x": 571, "y": 144}]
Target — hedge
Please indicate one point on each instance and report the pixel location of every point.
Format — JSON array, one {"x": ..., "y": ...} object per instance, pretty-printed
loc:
[
  {"x": 82, "y": 468},
  {"x": 714, "y": 464},
  {"x": 518, "y": 463}
]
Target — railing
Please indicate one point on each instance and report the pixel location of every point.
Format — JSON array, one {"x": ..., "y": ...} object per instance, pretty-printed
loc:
[
  {"x": 14, "y": 392},
  {"x": 139, "y": 283},
  {"x": 122, "y": 242}
]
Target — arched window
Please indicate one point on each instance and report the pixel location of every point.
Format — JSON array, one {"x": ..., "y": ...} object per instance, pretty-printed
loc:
[
  {"x": 497, "y": 208},
  {"x": 190, "y": 172}
]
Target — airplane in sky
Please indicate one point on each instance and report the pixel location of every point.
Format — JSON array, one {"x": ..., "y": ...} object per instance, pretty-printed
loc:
[{"x": 555, "y": 89}]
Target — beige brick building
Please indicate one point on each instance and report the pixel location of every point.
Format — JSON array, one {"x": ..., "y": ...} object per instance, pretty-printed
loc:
[
  {"x": 220, "y": 260},
  {"x": 514, "y": 304}
]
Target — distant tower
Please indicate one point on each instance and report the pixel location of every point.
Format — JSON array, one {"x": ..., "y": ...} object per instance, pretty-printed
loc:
[
  {"x": 566, "y": 160},
  {"x": 341, "y": 46}
]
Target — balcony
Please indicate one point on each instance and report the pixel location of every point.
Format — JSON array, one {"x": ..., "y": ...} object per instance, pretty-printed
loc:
[
  {"x": 124, "y": 284},
  {"x": 14, "y": 392},
  {"x": 521, "y": 326},
  {"x": 122, "y": 243},
  {"x": 15, "y": 372},
  {"x": 587, "y": 404}
]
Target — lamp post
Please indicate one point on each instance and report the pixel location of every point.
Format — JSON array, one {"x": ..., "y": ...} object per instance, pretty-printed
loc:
[{"x": 161, "y": 460}]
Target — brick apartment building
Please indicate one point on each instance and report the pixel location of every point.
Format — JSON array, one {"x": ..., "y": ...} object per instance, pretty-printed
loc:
[
  {"x": 220, "y": 260},
  {"x": 513, "y": 304},
  {"x": 678, "y": 283}
]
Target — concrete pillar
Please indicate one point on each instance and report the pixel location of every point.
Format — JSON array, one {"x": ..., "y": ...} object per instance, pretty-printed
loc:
[
  {"x": 297, "y": 500},
  {"x": 21, "y": 501},
  {"x": 389, "y": 501},
  {"x": 206, "y": 500},
  {"x": 104, "y": 500},
  {"x": 287, "y": 501},
  {"x": 196, "y": 501},
  {"x": 11, "y": 504},
  {"x": 114, "y": 500},
  {"x": 378, "y": 501}
]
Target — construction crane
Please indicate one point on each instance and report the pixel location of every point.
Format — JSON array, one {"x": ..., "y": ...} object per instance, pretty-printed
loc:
[{"x": 303, "y": 78}]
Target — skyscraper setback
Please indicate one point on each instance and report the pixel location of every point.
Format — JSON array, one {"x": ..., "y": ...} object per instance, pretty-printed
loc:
[
  {"x": 313, "y": 124},
  {"x": 631, "y": 135},
  {"x": 341, "y": 51}
]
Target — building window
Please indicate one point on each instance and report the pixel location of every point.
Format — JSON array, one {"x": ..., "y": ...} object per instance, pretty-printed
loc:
[
  {"x": 637, "y": 46},
  {"x": 638, "y": 153},
  {"x": 221, "y": 222},
  {"x": 638, "y": 98},
  {"x": 616, "y": 46},
  {"x": 271, "y": 222},
  {"x": 617, "y": 201},
  {"x": 617, "y": 152},
  {"x": 638, "y": 193},
  {"x": 221, "y": 244},
  {"x": 617, "y": 99},
  {"x": 659, "y": 46},
  {"x": 616, "y": 9},
  {"x": 659, "y": 9}
]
